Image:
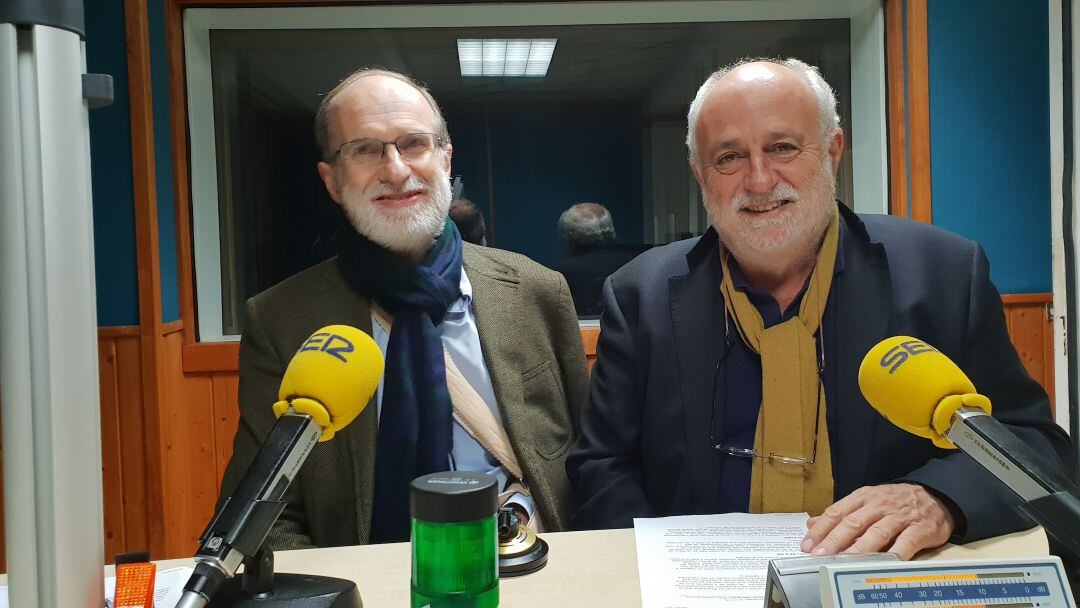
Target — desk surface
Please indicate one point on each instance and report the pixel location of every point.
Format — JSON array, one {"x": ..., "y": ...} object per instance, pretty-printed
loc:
[{"x": 585, "y": 569}]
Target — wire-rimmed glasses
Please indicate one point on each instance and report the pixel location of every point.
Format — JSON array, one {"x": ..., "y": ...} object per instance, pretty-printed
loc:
[
  {"x": 751, "y": 452},
  {"x": 370, "y": 150}
]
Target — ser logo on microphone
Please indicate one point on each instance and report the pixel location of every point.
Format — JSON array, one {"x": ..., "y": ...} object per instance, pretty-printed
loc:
[
  {"x": 331, "y": 344},
  {"x": 897, "y": 355}
]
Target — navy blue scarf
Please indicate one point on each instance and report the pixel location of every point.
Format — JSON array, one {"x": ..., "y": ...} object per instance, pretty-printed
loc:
[{"x": 415, "y": 432}]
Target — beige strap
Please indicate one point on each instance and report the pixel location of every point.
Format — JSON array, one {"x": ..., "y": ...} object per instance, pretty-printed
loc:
[{"x": 473, "y": 413}]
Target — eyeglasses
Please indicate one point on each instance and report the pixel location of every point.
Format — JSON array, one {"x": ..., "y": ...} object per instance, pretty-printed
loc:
[
  {"x": 370, "y": 150},
  {"x": 751, "y": 452}
]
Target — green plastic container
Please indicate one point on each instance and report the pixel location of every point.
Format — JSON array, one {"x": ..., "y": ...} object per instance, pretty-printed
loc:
[{"x": 455, "y": 560}]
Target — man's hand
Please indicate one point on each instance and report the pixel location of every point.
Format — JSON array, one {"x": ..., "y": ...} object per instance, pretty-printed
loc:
[{"x": 901, "y": 518}]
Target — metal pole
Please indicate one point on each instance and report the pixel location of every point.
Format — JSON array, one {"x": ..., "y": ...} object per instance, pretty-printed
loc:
[{"x": 48, "y": 322}]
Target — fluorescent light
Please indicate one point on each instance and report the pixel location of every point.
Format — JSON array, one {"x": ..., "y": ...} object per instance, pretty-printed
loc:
[
  {"x": 517, "y": 57},
  {"x": 470, "y": 56},
  {"x": 503, "y": 57},
  {"x": 494, "y": 56}
]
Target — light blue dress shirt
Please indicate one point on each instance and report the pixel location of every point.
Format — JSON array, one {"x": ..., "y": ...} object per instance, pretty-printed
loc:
[{"x": 461, "y": 339}]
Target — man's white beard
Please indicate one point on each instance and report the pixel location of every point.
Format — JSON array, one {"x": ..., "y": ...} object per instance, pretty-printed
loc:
[
  {"x": 786, "y": 238},
  {"x": 409, "y": 231}
]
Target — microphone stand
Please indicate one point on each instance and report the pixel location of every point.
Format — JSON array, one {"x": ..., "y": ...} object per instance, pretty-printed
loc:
[
  {"x": 260, "y": 587},
  {"x": 1051, "y": 499},
  {"x": 236, "y": 534}
]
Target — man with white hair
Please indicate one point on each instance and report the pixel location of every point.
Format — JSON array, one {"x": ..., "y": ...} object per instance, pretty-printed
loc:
[
  {"x": 492, "y": 328},
  {"x": 727, "y": 366},
  {"x": 588, "y": 232}
]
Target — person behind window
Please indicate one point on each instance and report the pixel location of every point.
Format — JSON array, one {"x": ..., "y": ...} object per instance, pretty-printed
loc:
[
  {"x": 497, "y": 327},
  {"x": 469, "y": 220},
  {"x": 588, "y": 233},
  {"x": 727, "y": 375}
]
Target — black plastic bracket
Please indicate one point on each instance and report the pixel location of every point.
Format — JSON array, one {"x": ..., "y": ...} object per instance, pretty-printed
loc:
[
  {"x": 97, "y": 90},
  {"x": 258, "y": 578}
]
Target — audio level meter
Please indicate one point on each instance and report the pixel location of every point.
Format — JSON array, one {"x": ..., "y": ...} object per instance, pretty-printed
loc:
[{"x": 1013, "y": 583}]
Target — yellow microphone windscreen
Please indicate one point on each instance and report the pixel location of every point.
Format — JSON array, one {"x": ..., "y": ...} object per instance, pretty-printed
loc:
[
  {"x": 906, "y": 380},
  {"x": 332, "y": 377}
]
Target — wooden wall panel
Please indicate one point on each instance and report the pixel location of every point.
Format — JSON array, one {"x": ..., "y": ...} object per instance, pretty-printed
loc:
[
  {"x": 111, "y": 459},
  {"x": 123, "y": 449},
  {"x": 174, "y": 454},
  {"x": 589, "y": 337},
  {"x": 132, "y": 424},
  {"x": 201, "y": 451},
  {"x": 204, "y": 423},
  {"x": 918, "y": 111},
  {"x": 908, "y": 87},
  {"x": 1032, "y": 333},
  {"x": 896, "y": 87},
  {"x": 189, "y": 475},
  {"x": 226, "y": 418}
]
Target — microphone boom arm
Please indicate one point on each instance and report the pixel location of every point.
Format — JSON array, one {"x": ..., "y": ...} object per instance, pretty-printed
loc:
[{"x": 1050, "y": 498}]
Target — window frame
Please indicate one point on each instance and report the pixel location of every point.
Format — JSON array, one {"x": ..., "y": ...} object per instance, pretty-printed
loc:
[{"x": 869, "y": 143}]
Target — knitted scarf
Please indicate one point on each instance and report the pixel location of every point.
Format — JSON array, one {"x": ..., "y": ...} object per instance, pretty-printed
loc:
[{"x": 415, "y": 432}]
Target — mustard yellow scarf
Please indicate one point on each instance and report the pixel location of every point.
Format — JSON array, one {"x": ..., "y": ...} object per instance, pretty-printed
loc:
[{"x": 792, "y": 394}]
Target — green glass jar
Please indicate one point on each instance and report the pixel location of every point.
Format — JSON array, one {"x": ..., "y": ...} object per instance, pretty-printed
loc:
[{"x": 455, "y": 561}]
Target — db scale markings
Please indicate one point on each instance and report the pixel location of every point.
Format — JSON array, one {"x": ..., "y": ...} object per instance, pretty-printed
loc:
[{"x": 999, "y": 590}]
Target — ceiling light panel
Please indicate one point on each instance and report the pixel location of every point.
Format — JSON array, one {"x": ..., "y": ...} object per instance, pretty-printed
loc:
[
  {"x": 540, "y": 54},
  {"x": 505, "y": 57},
  {"x": 471, "y": 56}
]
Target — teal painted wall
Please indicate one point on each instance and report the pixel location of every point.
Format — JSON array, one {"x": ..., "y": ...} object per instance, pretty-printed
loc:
[
  {"x": 110, "y": 168},
  {"x": 111, "y": 172},
  {"x": 990, "y": 133}
]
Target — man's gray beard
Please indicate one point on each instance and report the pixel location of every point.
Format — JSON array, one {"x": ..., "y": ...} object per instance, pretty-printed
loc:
[
  {"x": 410, "y": 231},
  {"x": 803, "y": 233}
]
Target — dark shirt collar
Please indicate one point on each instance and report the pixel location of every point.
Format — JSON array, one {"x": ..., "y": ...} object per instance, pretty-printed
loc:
[{"x": 766, "y": 304}]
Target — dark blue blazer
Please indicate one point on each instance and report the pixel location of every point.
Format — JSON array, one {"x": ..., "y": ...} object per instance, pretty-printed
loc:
[{"x": 644, "y": 446}]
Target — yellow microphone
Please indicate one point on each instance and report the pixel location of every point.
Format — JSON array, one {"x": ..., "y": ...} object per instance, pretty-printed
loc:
[
  {"x": 917, "y": 388},
  {"x": 328, "y": 382},
  {"x": 922, "y": 391},
  {"x": 331, "y": 378}
]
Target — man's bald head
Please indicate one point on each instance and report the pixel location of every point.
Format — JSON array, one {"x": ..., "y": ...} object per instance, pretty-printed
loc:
[
  {"x": 750, "y": 72},
  {"x": 326, "y": 108}
]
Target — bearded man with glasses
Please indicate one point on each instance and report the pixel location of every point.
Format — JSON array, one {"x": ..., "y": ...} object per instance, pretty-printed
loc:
[
  {"x": 727, "y": 366},
  {"x": 485, "y": 369}
]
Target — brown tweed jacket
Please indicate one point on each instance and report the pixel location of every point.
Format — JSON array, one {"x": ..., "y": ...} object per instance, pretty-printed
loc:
[{"x": 532, "y": 347}]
